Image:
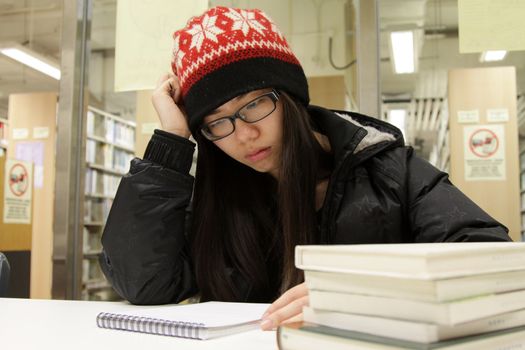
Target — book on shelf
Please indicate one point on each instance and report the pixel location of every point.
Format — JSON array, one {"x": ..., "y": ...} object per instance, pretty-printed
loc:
[
  {"x": 99, "y": 183},
  {"x": 197, "y": 321},
  {"x": 437, "y": 290},
  {"x": 445, "y": 313},
  {"x": 409, "y": 330},
  {"x": 304, "y": 336},
  {"x": 90, "y": 123},
  {"x": 109, "y": 127},
  {"x": 107, "y": 152},
  {"x": 91, "y": 151},
  {"x": 415, "y": 260},
  {"x": 124, "y": 135},
  {"x": 97, "y": 210},
  {"x": 121, "y": 160}
]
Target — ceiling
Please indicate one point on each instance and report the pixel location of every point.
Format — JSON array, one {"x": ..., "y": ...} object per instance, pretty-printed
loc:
[
  {"x": 37, "y": 24},
  {"x": 439, "y": 50}
]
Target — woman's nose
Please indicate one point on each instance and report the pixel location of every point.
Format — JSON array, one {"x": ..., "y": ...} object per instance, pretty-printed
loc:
[{"x": 245, "y": 131}]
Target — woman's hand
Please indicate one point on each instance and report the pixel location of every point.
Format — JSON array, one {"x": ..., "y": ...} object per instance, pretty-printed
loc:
[
  {"x": 167, "y": 101},
  {"x": 288, "y": 308}
]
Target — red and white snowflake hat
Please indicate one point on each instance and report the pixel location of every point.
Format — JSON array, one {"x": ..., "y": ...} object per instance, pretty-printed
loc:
[{"x": 226, "y": 52}]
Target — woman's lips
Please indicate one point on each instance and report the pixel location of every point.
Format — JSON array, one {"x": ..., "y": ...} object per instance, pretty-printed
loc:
[{"x": 259, "y": 154}]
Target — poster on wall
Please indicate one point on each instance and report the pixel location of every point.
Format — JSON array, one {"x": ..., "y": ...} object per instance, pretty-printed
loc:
[
  {"x": 17, "y": 192},
  {"x": 32, "y": 151},
  {"x": 144, "y": 41},
  {"x": 491, "y": 25},
  {"x": 484, "y": 147}
]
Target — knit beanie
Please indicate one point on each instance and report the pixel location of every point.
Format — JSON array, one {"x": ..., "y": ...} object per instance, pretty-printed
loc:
[{"x": 227, "y": 52}]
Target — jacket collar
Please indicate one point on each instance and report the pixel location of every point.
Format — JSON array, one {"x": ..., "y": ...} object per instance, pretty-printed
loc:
[{"x": 354, "y": 133}]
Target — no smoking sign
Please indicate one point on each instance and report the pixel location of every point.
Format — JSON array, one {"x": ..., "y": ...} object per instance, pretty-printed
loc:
[
  {"x": 18, "y": 179},
  {"x": 18, "y": 192},
  {"x": 484, "y": 143},
  {"x": 484, "y": 152}
]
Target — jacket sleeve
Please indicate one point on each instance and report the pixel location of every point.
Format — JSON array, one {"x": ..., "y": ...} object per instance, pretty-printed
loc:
[
  {"x": 145, "y": 248},
  {"x": 439, "y": 212}
]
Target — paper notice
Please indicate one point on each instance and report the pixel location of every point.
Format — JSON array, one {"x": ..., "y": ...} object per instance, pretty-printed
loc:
[
  {"x": 144, "y": 39},
  {"x": 468, "y": 116},
  {"x": 32, "y": 152},
  {"x": 499, "y": 115},
  {"x": 484, "y": 150},
  {"x": 20, "y": 134},
  {"x": 40, "y": 132},
  {"x": 491, "y": 25}
]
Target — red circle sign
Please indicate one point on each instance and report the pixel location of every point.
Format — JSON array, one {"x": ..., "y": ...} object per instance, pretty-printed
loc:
[
  {"x": 18, "y": 179},
  {"x": 483, "y": 143}
]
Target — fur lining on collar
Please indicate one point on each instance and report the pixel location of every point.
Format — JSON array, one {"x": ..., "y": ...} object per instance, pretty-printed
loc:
[{"x": 373, "y": 137}]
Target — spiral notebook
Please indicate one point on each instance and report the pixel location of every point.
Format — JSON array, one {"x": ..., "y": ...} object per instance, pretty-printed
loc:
[{"x": 196, "y": 321}]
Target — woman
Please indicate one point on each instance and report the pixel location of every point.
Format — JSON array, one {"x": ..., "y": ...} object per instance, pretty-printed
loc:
[{"x": 272, "y": 172}]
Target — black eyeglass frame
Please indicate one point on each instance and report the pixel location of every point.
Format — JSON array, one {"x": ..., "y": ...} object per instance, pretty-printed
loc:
[{"x": 274, "y": 95}]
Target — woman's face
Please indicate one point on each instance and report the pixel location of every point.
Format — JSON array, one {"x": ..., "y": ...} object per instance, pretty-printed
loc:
[{"x": 258, "y": 144}]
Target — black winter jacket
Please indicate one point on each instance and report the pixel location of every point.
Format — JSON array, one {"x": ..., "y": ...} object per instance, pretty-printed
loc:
[{"x": 379, "y": 192}]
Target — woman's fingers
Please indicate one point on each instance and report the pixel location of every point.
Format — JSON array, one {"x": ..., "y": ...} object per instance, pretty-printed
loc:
[
  {"x": 163, "y": 79},
  {"x": 169, "y": 84},
  {"x": 296, "y": 318},
  {"x": 287, "y": 297},
  {"x": 167, "y": 101},
  {"x": 291, "y": 311},
  {"x": 175, "y": 89},
  {"x": 287, "y": 306}
]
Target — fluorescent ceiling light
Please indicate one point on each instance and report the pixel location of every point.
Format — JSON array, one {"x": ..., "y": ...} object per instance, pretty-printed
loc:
[
  {"x": 490, "y": 56},
  {"x": 403, "y": 51},
  {"x": 397, "y": 117},
  {"x": 32, "y": 59}
]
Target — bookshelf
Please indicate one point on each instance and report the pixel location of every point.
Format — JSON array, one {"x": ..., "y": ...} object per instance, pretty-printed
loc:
[
  {"x": 426, "y": 119},
  {"x": 110, "y": 146},
  {"x": 440, "y": 153},
  {"x": 3, "y": 136}
]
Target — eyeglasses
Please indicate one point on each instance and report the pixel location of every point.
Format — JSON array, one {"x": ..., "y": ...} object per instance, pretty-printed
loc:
[{"x": 255, "y": 110}]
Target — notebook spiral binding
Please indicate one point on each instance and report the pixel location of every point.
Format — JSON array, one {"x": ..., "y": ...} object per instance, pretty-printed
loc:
[{"x": 191, "y": 330}]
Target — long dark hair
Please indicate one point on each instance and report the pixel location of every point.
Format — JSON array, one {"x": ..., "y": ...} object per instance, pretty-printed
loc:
[{"x": 246, "y": 224}]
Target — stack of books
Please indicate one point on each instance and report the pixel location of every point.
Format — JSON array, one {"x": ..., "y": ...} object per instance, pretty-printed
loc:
[{"x": 411, "y": 296}]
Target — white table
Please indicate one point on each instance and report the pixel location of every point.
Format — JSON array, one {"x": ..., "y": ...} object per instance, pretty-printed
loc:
[{"x": 61, "y": 324}]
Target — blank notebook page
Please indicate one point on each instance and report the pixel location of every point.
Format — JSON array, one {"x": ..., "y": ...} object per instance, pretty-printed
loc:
[{"x": 211, "y": 314}]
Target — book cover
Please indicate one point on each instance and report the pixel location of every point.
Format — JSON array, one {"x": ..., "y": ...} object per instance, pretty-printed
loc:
[
  {"x": 447, "y": 313},
  {"x": 414, "y": 260},
  {"x": 438, "y": 290},
  {"x": 412, "y": 331},
  {"x": 305, "y": 336}
]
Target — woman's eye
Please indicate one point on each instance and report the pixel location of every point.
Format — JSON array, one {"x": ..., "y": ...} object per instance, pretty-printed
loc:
[
  {"x": 216, "y": 124},
  {"x": 252, "y": 104}
]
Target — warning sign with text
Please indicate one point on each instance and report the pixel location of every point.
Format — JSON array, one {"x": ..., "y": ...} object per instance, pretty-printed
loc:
[
  {"x": 484, "y": 152},
  {"x": 17, "y": 192}
]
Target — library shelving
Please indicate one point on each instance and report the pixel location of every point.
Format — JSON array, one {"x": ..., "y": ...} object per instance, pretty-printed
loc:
[
  {"x": 442, "y": 145},
  {"x": 425, "y": 118},
  {"x": 3, "y": 136},
  {"x": 110, "y": 146}
]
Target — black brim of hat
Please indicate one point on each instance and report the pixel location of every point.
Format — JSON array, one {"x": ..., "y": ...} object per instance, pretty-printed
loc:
[{"x": 239, "y": 77}]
